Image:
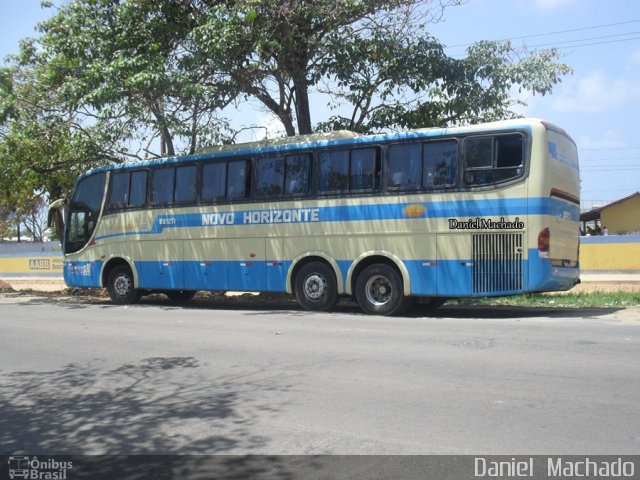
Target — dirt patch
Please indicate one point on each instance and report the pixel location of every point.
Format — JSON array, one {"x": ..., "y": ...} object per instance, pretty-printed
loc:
[{"x": 40, "y": 285}]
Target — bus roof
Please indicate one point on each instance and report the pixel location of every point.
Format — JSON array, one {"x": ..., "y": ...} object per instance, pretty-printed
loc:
[{"x": 329, "y": 139}]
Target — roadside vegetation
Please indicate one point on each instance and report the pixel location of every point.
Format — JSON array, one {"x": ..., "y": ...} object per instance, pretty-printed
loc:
[{"x": 596, "y": 299}]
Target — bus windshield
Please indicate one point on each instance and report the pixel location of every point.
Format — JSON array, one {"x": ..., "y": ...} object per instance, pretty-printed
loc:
[{"x": 84, "y": 211}]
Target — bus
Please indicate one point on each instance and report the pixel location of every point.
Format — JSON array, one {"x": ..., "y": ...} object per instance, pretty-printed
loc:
[{"x": 429, "y": 214}]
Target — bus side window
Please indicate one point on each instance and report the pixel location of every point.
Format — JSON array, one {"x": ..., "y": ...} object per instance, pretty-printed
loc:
[
  {"x": 510, "y": 154},
  {"x": 493, "y": 159},
  {"x": 238, "y": 180},
  {"x": 297, "y": 174},
  {"x": 404, "y": 166},
  {"x": 270, "y": 176},
  {"x": 119, "y": 196},
  {"x": 365, "y": 170},
  {"x": 162, "y": 186},
  {"x": 214, "y": 180},
  {"x": 138, "y": 188},
  {"x": 334, "y": 171},
  {"x": 440, "y": 164},
  {"x": 186, "y": 178}
]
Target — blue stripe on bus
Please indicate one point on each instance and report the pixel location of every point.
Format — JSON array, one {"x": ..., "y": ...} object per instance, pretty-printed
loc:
[
  {"x": 82, "y": 274},
  {"x": 345, "y": 213},
  {"x": 447, "y": 278}
]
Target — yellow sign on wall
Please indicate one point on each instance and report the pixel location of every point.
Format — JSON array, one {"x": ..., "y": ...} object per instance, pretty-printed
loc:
[{"x": 33, "y": 265}]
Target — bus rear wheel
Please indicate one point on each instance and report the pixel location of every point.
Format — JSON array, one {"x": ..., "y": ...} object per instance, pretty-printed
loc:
[
  {"x": 315, "y": 287},
  {"x": 379, "y": 290},
  {"x": 120, "y": 286}
]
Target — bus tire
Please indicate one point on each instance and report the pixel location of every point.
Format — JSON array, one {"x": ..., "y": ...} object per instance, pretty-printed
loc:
[
  {"x": 315, "y": 287},
  {"x": 379, "y": 290},
  {"x": 120, "y": 286},
  {"x": 180, "y": 296}
]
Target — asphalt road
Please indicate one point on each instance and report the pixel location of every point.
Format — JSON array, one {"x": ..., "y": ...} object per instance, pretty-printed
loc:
[{"x": 80, "y": 376}]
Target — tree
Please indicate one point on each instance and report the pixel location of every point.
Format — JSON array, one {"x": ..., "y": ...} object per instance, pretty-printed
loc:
[
  {"x": 102, "y": 84},
  {"x": 21, "y": 211},
  {"x": 376, "y": 57},
  {"x": 121, "y": 81},
  {"x": 115, "y": 68}
]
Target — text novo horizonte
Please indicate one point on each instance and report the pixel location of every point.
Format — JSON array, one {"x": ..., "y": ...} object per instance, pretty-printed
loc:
[
  {"x": 485, "y": 224},
  {"x": 288, "y": 215}
]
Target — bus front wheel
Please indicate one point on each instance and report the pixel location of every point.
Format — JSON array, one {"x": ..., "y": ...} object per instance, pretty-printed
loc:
[
  {"x": 120, "y": 286},
  {"x": 379, "y": 290},
  {"x": 315, "y": 287}
]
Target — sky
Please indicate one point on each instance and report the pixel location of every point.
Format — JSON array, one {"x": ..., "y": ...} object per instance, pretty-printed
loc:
[{"x": 597, "y": 105}]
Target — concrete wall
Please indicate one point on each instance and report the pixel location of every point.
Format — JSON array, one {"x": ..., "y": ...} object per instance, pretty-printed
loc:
[
  {"x": 622, "y": 218},
  {"x": 30, "y": 259},
  {"x": 610, "y": 252}
]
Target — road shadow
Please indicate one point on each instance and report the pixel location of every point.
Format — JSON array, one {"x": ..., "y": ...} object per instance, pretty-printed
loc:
[
  {"x": 159, "y": 405},
  {"x": 273, "y": 303},
  {"x": 279, "y": 304}
]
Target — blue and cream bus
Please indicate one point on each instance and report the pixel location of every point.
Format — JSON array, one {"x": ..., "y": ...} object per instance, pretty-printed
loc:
[{"x": 432, "y": 214}]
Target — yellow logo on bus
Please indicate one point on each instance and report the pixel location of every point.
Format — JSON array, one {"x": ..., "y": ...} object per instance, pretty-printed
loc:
[{"x": 415, "y": 210}]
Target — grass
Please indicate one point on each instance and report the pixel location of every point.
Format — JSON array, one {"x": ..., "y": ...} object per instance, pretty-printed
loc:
[{"x": 574, "y": 300}]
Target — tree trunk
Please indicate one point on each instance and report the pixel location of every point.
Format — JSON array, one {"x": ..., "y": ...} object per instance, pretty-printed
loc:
[
  {"x": 166, "y": 142},
  {"x": 287, "y": 120},
  {"x": 194, "y": 127},
  {"x": 303, "y": 113}
]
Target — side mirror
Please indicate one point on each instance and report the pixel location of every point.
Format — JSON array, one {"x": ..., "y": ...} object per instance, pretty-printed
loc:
[{"x": 55, "y": 218}]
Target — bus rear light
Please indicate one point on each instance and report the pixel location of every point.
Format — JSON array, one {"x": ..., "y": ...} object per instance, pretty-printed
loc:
[{"x": 544, "y": 238}]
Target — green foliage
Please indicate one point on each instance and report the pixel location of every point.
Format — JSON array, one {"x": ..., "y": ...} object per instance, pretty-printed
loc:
[
  {"x": 121, "y": 81},
  {"x": 595, "y": 299},
  {"x": 404, "y": 80}
]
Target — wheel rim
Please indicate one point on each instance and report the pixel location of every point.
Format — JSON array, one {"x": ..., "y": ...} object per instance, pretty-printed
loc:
[
  {"x": 378, "y": 290},
  {"x": 122, "y": 285},
  {"x": 315, "y": 287}
]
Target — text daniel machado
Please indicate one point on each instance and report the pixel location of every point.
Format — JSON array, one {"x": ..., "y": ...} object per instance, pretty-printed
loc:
[{"x": 555, "y": 467}]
